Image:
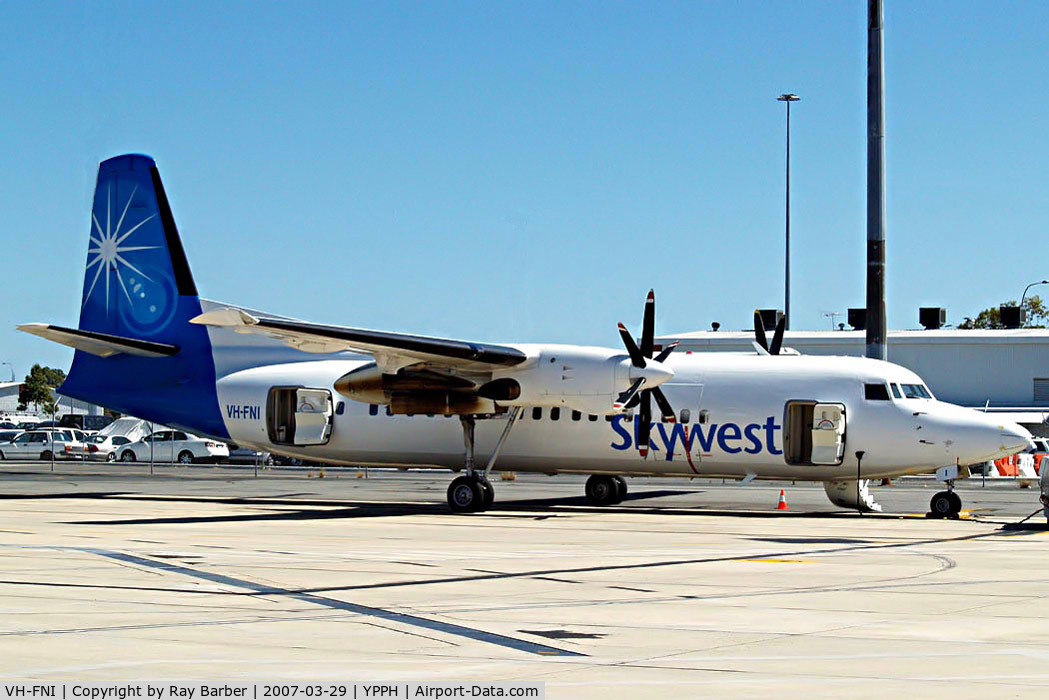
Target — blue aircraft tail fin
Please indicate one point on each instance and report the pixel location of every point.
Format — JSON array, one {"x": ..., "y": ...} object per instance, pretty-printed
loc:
[{"x": 138, "y": 285}]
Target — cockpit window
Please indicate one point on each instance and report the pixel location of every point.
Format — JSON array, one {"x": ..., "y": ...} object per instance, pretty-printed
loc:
[
  {"x": 875, "y": 392},
  {"x": 896, "y": 391},
  {"x": 915, "y": 391}
]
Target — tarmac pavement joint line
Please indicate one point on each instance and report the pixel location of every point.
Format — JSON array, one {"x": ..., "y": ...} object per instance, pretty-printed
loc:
[{"x": 389, "y": 615}]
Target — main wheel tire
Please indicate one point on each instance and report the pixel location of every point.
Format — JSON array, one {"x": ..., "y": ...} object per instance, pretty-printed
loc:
[
  {"x": 127, "y": 456},
  {"x": 489, "y": 494},
  {"x": 942, "y": 504},
  {"x": 621, "y": 489},
  {"x": 185, "y": 457},
  {"x": 46, "y": 455},
  {"x": 601, "y": 490},
  {"x": 465, "y": 495},
  {"x": 956, "y": 502},
  {"x": 111, "y": 457}
]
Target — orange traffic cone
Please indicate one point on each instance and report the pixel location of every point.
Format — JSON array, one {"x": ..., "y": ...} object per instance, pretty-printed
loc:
[{"x": 782, "y": 505}]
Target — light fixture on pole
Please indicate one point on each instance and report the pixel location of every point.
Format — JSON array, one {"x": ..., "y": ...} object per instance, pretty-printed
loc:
[
  {"x": 1022, "y": 298},
  {"x": 788, "y": 98}
]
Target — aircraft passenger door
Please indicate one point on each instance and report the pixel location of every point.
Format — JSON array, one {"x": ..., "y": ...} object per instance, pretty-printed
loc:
[
  {"x": 299, "y": 416},
  {"x": 828, "y": 433},
  {"x": 814, "y": 433}
]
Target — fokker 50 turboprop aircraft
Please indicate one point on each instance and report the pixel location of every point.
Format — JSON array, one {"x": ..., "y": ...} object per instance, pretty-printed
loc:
[{"x": 148, "y": 345}]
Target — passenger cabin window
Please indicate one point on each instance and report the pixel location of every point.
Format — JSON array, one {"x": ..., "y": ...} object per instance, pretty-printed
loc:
[
  {"x": 875, "y": 392},
  {"x": 593, "y": 418},
  {"x": 686, "y": 416},
  {"x": 555, "y": 413},
  {"x": 341, "y": 408},
  {"x": 896, "y": 391},
  {"x": 389, "y": 410},
  {"x": 576, "y": 415},
  {"x": 373, "y": 409},
  {"x": 537, "y": 413}
]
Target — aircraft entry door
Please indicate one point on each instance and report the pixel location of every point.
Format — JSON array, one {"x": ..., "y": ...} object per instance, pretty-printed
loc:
[
  {"x": 814, "y": 433},
  {"x": 299, "y": 416}
]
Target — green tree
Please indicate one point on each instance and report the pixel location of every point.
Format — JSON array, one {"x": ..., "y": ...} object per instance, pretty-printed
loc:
[
  {"x": 37, "y": 388},
  {"x": 1037, "y": 314}
]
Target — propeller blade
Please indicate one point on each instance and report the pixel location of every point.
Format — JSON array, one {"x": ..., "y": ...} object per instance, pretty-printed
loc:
[
  {"x": 759, "y": 331},
  {"x": 645, "y": 427},
  {"x": 777, "y": 336},
  {"x": 666, "y": 351},
  {"x": 664, "y": 406},
  {"x": 627, "y": 396},
  {"x": 636, "y": 357},
  {"x": 648, "y": 326}
]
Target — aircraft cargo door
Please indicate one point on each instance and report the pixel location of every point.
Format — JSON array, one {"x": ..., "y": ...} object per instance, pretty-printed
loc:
[
  {"x": 814, "y": 433},
  {"x": 299, "y": 416}
]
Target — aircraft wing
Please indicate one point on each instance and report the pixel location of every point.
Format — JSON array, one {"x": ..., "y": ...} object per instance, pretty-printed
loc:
[{"x": 391, "y": 350}]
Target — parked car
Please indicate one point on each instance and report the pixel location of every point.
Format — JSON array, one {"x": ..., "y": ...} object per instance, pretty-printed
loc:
[
  {"x": 34, "y": 444},
  {"x": 69, "y": 443},
  {"x": 103, "y": 448},
  {"x": 174, "y": 446},
  {"x": 248, "y": 455}
]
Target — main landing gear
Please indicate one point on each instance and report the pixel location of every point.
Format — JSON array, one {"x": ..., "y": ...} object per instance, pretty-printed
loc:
[
  {"x": 604, "y": 490},
  {"x": 473, "y": 492}
]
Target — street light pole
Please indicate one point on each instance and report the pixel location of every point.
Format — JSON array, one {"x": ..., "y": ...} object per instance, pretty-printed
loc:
[
  {"x": 1032, "y": 284},
  {"x": 788, "y": 98}
]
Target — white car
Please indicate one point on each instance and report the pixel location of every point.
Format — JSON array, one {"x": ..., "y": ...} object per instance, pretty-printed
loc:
[
  {"x": 69, "y": 443},
  {"x": 174, "y": 446},
  {"x": 35, "y": 444},
  {"x": 104, "y": 447}
]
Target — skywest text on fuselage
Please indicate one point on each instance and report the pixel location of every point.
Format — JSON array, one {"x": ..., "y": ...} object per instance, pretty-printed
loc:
[{"x": 731, "y": 438}]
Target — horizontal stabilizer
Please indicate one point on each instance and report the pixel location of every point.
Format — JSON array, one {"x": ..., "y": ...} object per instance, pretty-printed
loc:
[{"x": 101, "y": 344}]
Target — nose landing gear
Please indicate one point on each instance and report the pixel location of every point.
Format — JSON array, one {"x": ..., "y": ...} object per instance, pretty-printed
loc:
[{"x": 945, "y": 504}]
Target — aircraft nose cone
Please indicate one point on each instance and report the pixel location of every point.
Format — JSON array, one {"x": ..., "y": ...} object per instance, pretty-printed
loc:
[
  {"x": 973, "y": 437},
  {"x": 1014, "y": 438}
]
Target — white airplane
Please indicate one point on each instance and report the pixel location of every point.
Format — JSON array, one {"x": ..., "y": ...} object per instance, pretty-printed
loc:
[{"x": 147, "y": 345}]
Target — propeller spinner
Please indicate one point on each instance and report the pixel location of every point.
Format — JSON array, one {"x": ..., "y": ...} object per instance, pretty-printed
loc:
[{"x": 646, "y": 370}]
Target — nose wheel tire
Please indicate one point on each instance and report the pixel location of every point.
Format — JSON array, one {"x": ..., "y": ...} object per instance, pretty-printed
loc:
[
  {"x": 604, "y": 490},
  {"x": 470, "y": 494},
  {"x": 945, "y": 504}
]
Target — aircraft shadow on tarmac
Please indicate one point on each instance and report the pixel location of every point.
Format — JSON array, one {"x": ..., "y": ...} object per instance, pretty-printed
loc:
[{"x": 317, "y": 509}]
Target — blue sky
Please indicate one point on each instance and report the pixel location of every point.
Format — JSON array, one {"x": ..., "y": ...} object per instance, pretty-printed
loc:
[{"x": 527, "y": 170}]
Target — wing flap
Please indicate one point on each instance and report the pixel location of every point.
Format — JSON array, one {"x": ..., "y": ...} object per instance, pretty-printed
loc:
[{"x": 101, "y": 344}]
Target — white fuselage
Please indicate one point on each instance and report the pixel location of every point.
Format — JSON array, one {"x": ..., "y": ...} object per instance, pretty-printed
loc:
[{"x": 735, "y": 406}]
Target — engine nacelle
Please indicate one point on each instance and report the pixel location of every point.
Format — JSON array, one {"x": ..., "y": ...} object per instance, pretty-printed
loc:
[
  {"x": 419, "y": 391},
  {"x": 584, "y": 379}
]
